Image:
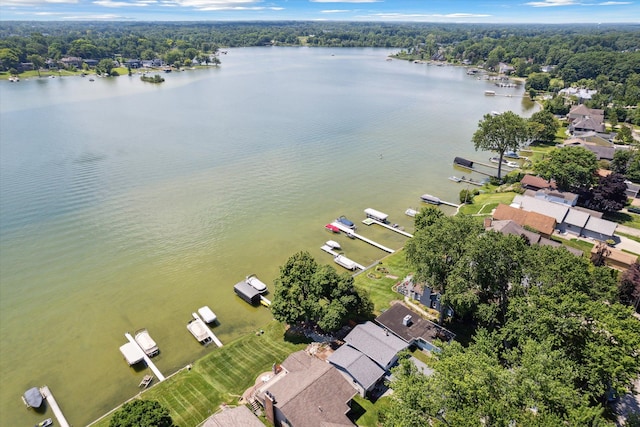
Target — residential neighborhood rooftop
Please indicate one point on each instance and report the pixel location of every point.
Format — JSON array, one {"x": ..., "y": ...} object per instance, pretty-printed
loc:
[
  {"x": 418, "y": 328},
  {"x": 377, "y": 343}
]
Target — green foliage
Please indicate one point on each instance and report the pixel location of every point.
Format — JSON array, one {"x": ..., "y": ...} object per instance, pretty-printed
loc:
[
  {"x": 624, "y": 135},
  {"x": 306, "y": 291},
  {"x": 629, "y": 286},
  {"x": 543, "y": 126},
  {"x": 627, "y": 163},
  {"x": 573, "y": 168},
  {"x": 500, "y": 133},
  {"x": 466, "y": 196},
  {"x": 155, "y": 79},
  {"x": 141, "y": 413},
  {"x": 427, "y": 216}
]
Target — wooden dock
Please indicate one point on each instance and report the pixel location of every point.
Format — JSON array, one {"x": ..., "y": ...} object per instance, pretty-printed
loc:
[
  {"x": 46, "y": 393},
  {"x": 370, "y": 221},
  {"x": 330, "y": 251},
  {"x": 473, "y": 169},
  {"x": 351, "y": 233},
  {"x": 209, "y": 332},
  {"x": 147, "y": 359}
]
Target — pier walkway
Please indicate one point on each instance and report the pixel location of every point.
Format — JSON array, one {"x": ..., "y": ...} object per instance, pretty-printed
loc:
[
  {"x": 46, "y": 393},
  {"x": 209, "y": 332},
  {"x": 147, "y": 359},
  {"x": 351, "y": 233},
  {"x": 370, "y": 221},
  {"x": 330, "y": 251}
]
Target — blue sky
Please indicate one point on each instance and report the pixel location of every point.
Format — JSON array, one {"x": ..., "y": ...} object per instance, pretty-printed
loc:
[{"x": 445, "y": 11}]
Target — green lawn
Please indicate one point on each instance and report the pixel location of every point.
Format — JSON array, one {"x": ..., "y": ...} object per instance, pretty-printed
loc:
[
  {"x": 220, "y": 377},
  {"x": 379, "y": 288},
  {"x": 575, "y": 243},
  {"x": 484, "y": 203},
  {"x": 624, "y": 218},
  {"x": 367, "y": 412}
]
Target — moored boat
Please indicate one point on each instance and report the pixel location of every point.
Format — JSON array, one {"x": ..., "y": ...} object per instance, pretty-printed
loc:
[
  {"x": 332, "y": 244},
  {"x": 504, "y": 162},
  {"x": 346, "y": 222},
  {"x": 455, "y": 178},
  {"x": 256, "y": 283},
  {"x": 132, "y": 353},
  {"x": 45, "y": 423},
  {"x": 32, "y": 398},
  {"x": 199, "y": 331},
  {"x": 411, "y": 212},
  {"x": 332, "y": 228},
  {"x": 345, "y": 262},
  {"x": 146, "y": 343}
]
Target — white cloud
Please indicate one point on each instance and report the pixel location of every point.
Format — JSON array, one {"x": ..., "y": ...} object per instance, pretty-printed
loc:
[
  {"x": 217, "y": 5},
  {"x": 345, "y": 1},
  {"x": 419, "y": 17},
  {"x": 335, "y": 11},
  {"x": 552, "y": 3},
  {"x": 116, "y": 4},
  {"x": 31, "y": 3},
  {"x": 95, "y": 17},
  {"x": 613, "y": 3}
]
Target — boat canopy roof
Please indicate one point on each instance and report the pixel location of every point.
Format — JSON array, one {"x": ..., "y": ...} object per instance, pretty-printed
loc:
[
  {"x": 207, "y": 314},
  {"x": 132, "y": 353},
  {"x": 256, "y": 283},
  {"x": 372, "y": 213},
  {"x": 33, "y": 397}
]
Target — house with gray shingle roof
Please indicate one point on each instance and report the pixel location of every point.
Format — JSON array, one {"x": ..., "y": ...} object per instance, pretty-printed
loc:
[
  {"x": 376, "y": 343},
  {"x": 357, "y": 368}
]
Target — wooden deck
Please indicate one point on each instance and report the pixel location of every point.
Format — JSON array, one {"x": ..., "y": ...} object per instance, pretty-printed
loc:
[{"x": 46, "y": 393}]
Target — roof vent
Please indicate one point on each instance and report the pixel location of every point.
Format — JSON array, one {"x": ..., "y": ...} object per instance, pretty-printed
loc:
[{"x": 406, "y": 321}]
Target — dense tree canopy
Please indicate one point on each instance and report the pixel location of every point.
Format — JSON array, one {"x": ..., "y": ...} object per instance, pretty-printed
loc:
[
  {"x": 543, "y": 126},
  {"x": 553, "y": 340},
  {"x": 308, "y": 292},
  {"x": 141, "y": 413},
  {"x": 501, "y": 133},
  {"x": 573, "y": 168},
  {"x": 609, "y": 195}
]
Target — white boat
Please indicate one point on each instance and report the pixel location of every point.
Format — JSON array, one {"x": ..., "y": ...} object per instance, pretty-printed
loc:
[
  {"x": 411, "y": 212},
  {"x": 207, "y": 314},
  {"x": 45, "y": 423},
  {"x": 431, "y": 199},
  {"x": 490, "y": 92},
  {"x": 332, "y": 244},
  {"x": 505, "y": 162},
  {"x": 345, "y": 262},
  {"x": 455, "y": 178},
  {"x": 377, "y": 215},
  {"x": 146, "y": 343},
  {"x": 199, "y": 331},
  {"x": 256, "y": 283}
]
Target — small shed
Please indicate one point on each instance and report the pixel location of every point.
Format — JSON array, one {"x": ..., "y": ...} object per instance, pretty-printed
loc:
[{"x": 247, "y": 292}]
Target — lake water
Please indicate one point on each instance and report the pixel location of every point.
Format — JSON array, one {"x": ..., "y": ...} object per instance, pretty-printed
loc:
[{"x": 126, "y": 205}]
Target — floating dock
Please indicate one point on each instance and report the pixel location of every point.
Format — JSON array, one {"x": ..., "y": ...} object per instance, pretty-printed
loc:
[
  {"x": 390, "y": 227},
  {"x": 351, "y": 233},
  {"x": 428, "y": 198},
  {"x": 46, "y": 393},
  {"x": 147, "y": 359},
  {"x": 213, "y": 337}
]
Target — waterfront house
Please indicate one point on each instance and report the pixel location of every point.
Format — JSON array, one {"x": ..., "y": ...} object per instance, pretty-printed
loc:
[
  {"x": 510, "y": 227},
  {"x": 362, "y": 372},
  {"x": 376, "y": 343},
  {"x": 532, "y": 182},
  {"x": 543, "y": 224},
  {"x": 556, "y": 196},
  {"x": 616, "y": 259},
  {"x": 306, "y": 392}
]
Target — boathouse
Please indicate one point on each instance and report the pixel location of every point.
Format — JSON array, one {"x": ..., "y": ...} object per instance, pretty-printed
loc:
[
  {"x": 247, "y": 292},
  {"x": 463, "y": 162}
]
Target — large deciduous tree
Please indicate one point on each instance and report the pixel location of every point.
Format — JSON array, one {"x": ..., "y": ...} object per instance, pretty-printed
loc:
[
  {"x": 610, "y": 194},
  {"x": 501, "y": 133},
  {"x": 435, "y": 249},
  {"x": 308, "y": 292},
  {"x": 141, "y": 413},
  {"x": 573, "y": 168},
  {"x": 629, "y": 287},
  {"x": 543, "y": 126}
]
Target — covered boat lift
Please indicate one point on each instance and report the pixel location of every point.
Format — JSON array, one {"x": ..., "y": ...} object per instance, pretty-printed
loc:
[
  {"x": 32, "y": 398},
  {"x": 247, "y": 292},
  {"x": 377, "y": 215},
  {"x": 132, "y": 353}
]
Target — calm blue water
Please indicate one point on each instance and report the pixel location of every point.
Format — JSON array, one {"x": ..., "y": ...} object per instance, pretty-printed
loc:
[{"x": 126, "y": 205}]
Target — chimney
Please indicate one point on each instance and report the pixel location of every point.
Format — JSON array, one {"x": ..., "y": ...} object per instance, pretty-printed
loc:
[
  {"x": 269, "y": 401},
  {"x": 406, "y": 321}
]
